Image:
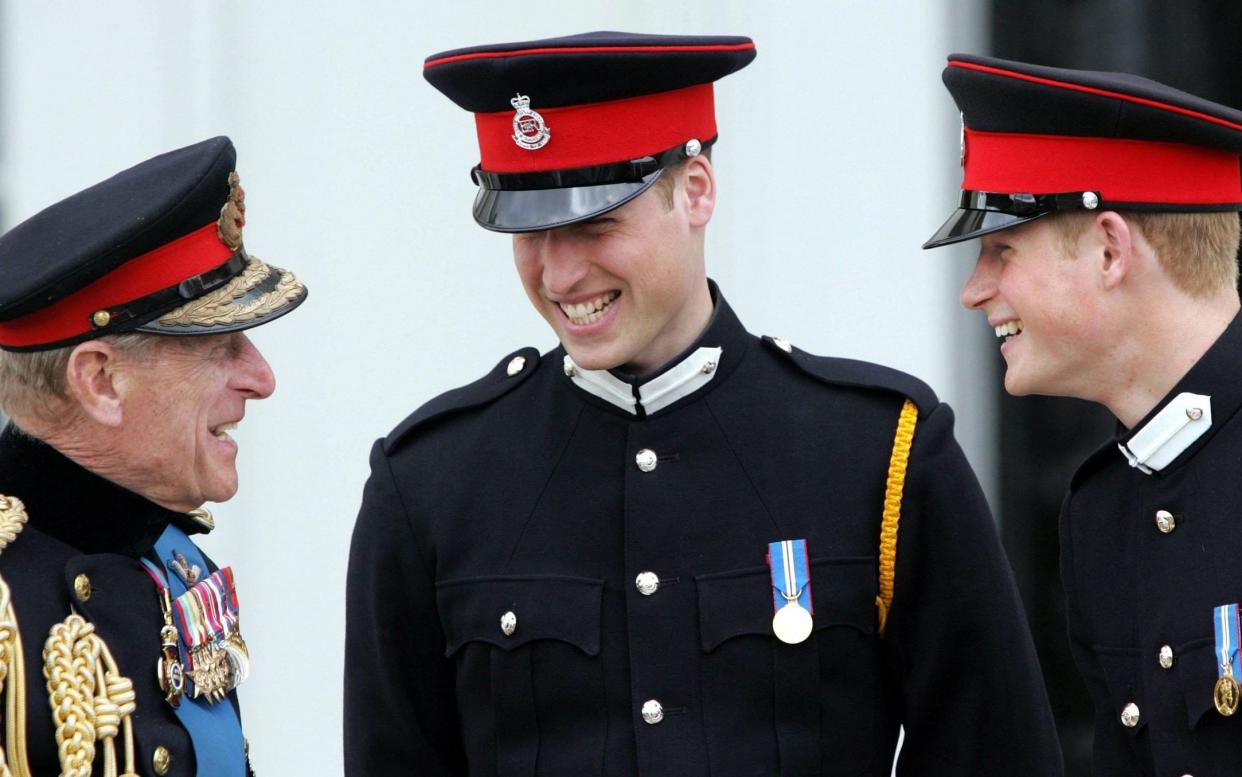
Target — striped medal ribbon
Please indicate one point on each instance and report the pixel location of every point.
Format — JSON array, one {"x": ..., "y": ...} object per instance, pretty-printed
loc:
[
  {"x": 1226, "y": 694},
  {"x": 791, "y": 591}
]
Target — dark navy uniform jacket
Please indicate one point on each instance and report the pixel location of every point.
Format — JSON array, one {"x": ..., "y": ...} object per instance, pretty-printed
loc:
[
  {"x": 520, "y": 494},
  {"x": 1145, "y": 559},
  {"x": 82, "y": 524}
]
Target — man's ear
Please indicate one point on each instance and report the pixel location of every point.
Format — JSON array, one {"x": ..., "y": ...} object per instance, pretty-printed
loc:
[
  {"x": 699, "y": 186},
  {"x": 91, "y": 380},
  {"x": 1115, "y": 249}
]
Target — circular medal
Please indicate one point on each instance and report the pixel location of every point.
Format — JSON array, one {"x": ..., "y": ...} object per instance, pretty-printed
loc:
[
  {"x": 792, "y": 624},
  {"x": 1226, "y": 695}
]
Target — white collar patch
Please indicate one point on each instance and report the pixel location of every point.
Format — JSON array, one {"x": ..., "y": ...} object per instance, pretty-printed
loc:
[
  {"x": 1174, "y": 429},
  {"x": 687, "y": 377}
]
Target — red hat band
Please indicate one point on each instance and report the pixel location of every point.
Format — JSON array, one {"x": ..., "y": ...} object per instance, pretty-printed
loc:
[
  {"x": 170, "y": 264},
  {"x": 529, "y": 139},
  {"x": 1119, "y": 170}
]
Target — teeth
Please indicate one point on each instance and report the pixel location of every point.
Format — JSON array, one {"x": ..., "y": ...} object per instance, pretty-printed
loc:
[
  {"x": 1008, "y": 328},
  {"x": 590, "y": 311},
  {"x": 222, "y": 431}
]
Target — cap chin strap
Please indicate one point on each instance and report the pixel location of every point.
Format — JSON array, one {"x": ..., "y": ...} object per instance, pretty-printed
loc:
[
  {"x": 631, "y": 171},
  {"x": 1026, "y": 204}
]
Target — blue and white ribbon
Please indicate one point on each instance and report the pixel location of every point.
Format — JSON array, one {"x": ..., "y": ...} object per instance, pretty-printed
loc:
[
  {"x": 1225, "y": 618},
  {"x": 791, "y": 574}
]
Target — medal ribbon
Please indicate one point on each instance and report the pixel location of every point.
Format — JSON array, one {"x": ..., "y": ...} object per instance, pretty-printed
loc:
[
  {"x": 214, "y": 729},
  {"x": 1228, "y": 661},
  {"x": 791, "y": 574}
]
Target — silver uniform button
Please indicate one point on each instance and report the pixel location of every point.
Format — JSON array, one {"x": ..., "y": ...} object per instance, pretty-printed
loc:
[
  {"x": 783, "y": 344},
  {"x": 1166, "y": 657},
  {"x": 647, "y": 583},
  {"x": 1130, "y": 715},
  {"x": 515, "y": 365},
  {"x": 646, "y": 460},
  {"x": 570, "y": 370},
  {"x": 508, "y": 623},
  {"x": 1165, "y": 521},
  {"x": 653, "y": 711}
]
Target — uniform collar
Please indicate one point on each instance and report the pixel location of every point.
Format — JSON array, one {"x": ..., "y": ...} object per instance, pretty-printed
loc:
[
  {"x": 77, "y": 507},
  {"x": 1201, "y": 402},
  {"x": 716, "y": 352}
]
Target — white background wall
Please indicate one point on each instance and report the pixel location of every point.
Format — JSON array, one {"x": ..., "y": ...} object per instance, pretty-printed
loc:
[{"x": 837, "y": 158}]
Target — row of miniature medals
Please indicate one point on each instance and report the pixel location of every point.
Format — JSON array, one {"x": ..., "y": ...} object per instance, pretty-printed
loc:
[{"x": 202, "y": 650}]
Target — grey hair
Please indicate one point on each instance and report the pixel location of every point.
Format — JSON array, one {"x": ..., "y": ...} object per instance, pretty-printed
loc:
[{"x": 34, "y": 382}]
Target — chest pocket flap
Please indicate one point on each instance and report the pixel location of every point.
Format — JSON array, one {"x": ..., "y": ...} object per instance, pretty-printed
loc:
[
  {"x": 532, "y": 607},
  {"x": 737, "y": 603}
]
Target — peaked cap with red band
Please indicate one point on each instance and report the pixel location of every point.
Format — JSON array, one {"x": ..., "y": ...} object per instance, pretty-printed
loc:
[
  {"x": 1037, "y": 140},
  {"x": 156, "y": 248},
  {"x": 573, "y": 127}
]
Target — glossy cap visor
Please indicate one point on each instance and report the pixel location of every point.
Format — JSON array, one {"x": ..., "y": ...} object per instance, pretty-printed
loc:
[
  {"x": 258, "y": 294},
  {"x": 967, "y": 223},
  {"x": 534, "y": 210}
]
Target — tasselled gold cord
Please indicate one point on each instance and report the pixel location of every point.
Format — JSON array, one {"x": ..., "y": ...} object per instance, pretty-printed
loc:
[
  {"x": 91, "y": 700},
  {"x": 12, "y": 661}
]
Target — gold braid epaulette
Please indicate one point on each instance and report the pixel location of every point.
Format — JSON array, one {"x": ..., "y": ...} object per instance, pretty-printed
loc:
[
  {"x": 12, "y": 663},
  {"x": 91, "y": 700},
  {"x": 893, "y": 490}
]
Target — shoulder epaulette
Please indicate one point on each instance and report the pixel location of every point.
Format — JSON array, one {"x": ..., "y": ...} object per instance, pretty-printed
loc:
[
  {"x": 857, "y": 374},
  {"x": 508, "y": 374}
]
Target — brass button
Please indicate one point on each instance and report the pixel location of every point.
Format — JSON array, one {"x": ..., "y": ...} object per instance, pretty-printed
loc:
[
  {"x": 1165, "y": 521},
  {"x": 1166, "y": 657},
  {"x": 653, "y": 711},
  {"x": 82, "y": 587},
  {"x": 646, "y": 460},
  {"x": 1130, "y": 715},
  {"x": 783, "y": 344},
  {"x": 647, "y": 583},
  {"x": 515, "y": 365},
  {"x": 161, "y": 759},
  {"x": 508, "y": 623},
  {"x": 101, "y": 318}
]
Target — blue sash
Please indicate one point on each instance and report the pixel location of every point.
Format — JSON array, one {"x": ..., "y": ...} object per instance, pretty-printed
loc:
[{"x": 219, "y": 747}]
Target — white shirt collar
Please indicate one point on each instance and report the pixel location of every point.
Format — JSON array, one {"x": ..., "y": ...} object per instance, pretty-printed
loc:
[
  {"x": 688, "y": 376},
  {"x": 1174, "y": 429}
]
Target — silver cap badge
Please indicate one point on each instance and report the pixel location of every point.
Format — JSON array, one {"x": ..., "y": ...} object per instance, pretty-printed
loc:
[{"x": 529, "y": 130}]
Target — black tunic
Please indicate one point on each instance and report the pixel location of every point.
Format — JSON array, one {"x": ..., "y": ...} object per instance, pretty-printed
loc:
[
  {"x": 1133, "y": 588},
  {"x": 80, "y": 523},
  {"x": 520, "y": 493}
]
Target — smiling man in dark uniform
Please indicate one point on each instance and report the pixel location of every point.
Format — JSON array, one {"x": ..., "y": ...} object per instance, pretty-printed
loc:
[
  {"x": 667, "y": 547},
  {"x": 124, "y": 367},
  {"x": 1105, "y": 207}
]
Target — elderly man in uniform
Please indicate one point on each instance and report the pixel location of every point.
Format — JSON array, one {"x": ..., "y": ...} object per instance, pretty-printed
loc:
[
  {"x": 124, "y": 366},
  {"x": 667, "y": 547},
  {"x": 1105, "y": 209}
]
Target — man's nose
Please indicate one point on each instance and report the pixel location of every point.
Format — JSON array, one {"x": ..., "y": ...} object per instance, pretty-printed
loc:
[
  {"x": 564, "y": 264},
  {"x": 980, "y": 286},
  {"x": 254, "y": 375}
]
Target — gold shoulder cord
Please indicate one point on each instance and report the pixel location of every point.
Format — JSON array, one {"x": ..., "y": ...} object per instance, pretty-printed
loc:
[
  {"x": 892, "y": 508},
  {"x": 12, "y": 666},
  {"x": 91, "y": 701}
]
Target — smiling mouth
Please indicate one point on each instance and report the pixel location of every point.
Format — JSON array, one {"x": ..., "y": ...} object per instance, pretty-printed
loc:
[
  {"x": 221, "y": 432},
  {"x": 592, "y": 310},
  {"x": 1008, "y": 330}
]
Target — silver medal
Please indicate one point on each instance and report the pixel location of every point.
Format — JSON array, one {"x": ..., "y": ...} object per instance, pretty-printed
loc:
[{"x": 792, "y": 624}]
